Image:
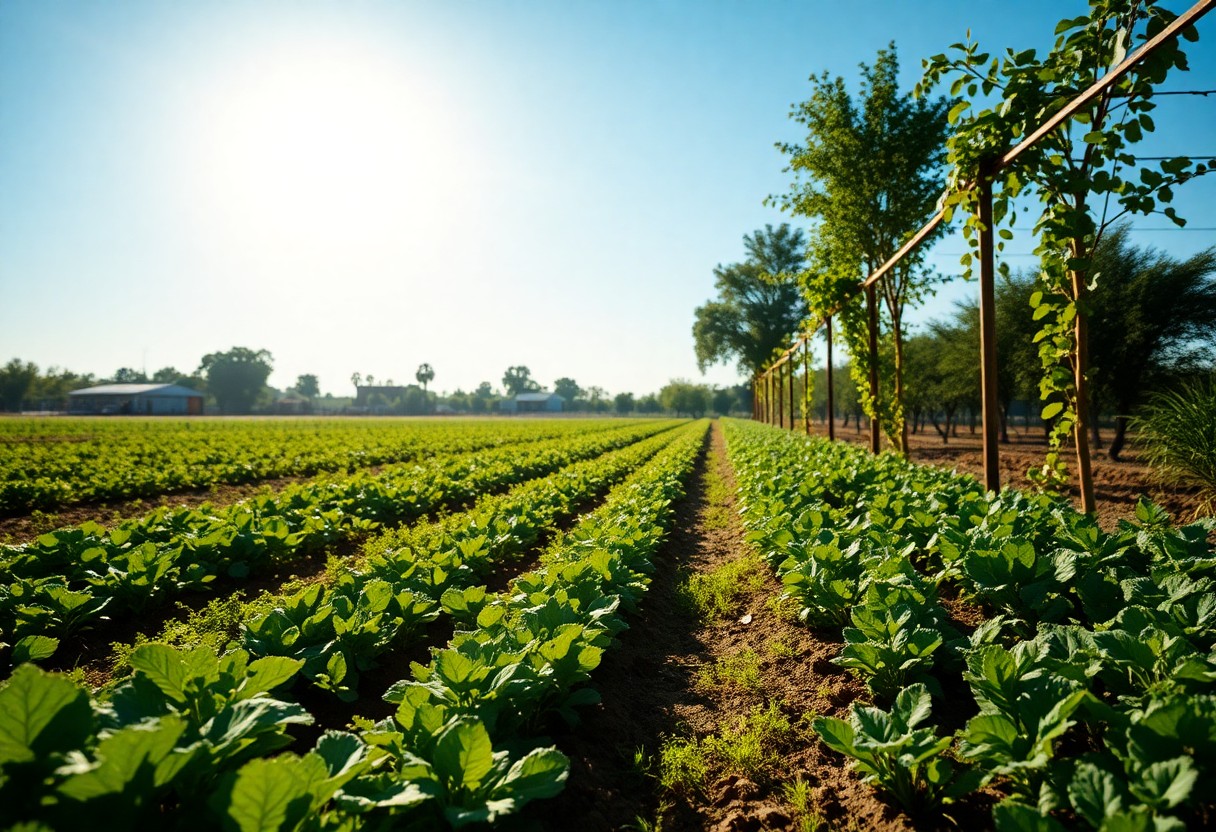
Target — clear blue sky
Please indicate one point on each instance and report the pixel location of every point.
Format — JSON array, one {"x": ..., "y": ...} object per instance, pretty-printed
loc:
[{"x": 365, "y": 186}]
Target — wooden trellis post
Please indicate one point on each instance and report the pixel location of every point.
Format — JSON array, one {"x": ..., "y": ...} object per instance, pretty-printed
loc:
[
  {"x": 872, "y": 318},
  {"x": 990, "y": 405},
  {"x": 831, "y": 386}
]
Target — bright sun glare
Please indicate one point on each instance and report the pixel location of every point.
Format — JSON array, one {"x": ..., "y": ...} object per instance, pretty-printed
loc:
[{"x": 321, "y": 146}]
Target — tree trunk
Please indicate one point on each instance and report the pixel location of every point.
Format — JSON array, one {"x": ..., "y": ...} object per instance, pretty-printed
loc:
[
  {"x": 1096, "y": 428},
  {"x": 1116, "y": 444},
  {"x": 902, "y": 433}
]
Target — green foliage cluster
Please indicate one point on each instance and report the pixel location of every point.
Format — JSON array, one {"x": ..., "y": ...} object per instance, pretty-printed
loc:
[
  {"x": 1092, "y": 677},
  {"x": 410, "y": 575},
  {"x": 66, "y": 580},
  {"x": 868, "y": 175},
  {"x": 189, "y": 741},
  {"x": 1178, "y": 429},
  {"x": 758, "y": 308},
  {"x": 1085, "y": 174},
  {"x": 684, "y": 397},
  {"x": 47, "y": 464},
  {"x": 237, "y": 377}
]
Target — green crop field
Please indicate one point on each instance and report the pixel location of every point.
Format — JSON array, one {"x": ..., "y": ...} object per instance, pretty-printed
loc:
[
  {"x": 425, "y": 643},
  {"x": 265, "y": 711}
]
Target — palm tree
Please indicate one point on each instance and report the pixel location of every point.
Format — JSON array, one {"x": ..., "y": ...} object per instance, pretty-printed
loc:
[{"x": 424, "y": 375}]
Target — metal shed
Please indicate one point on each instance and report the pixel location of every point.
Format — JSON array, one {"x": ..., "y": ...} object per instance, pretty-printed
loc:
[
  {"x": 533, "y": 403},
  {"x": 136, "y": 399}
]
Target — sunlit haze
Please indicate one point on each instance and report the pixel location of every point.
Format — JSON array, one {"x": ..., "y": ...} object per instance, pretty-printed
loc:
[{"x": 364, "y": 187}]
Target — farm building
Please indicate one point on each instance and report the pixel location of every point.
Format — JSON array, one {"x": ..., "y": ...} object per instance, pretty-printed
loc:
[
  {"x": 136, "y": 399},
  {"x": 533, "y": 403}
]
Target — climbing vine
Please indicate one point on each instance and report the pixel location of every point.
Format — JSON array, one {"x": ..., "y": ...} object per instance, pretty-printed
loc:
[{"x": 1085, "y": 176}]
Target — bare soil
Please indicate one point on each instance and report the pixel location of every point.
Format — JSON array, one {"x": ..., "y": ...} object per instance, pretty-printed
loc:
[{"x": 651, "y": 693}]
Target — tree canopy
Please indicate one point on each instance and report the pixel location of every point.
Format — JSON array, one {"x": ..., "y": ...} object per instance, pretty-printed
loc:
[
  {"x": 1151, "y": 316},
  {"x": 758, "y": 305},
  {"x": 868, "y": 175},
  {"x": 424, "y": 375},
  {"x": 237, "y": 377},
  {"x": 518, "y": 380}
]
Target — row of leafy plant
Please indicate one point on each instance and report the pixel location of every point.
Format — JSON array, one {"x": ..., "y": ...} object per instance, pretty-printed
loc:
[
  {"x": 409, "y": 577},
  {"x": 48, "y": 463},
  {"x": 1090, "y": 684},
  {"x": 190, "y": 740},
  {"x": 69, "y": 579}
]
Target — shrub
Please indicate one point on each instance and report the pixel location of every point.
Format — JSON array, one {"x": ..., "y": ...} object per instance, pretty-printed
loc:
[{"x": 1178, "y": 430}]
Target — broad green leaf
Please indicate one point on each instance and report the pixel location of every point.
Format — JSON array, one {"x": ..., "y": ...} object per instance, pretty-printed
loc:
[
  {"x": 454, "y": 667},
  {"x": 837, "y": 734},
  {"x": 164, "y": 666},
  {"x": 464, "y": 755},
  {"x": 132, "y": 756},
  {"x": 1011, "y": 816},
  {"x": 268, "y": 673},
  {"x": 247, "y": 718},
  {"x": 541, "y": 773},
  {"x": 1094, "y": 794},
  {"x": 1051, "y": 410},
  {"x": 912, "y": 705},
  {"x": 271, "y": 795},
  {"x": 34, "y": 648},
  {"x": 1165, "y": 784},
  {"x": 41, "y": 714},
  {"x": 341, "y": 751}
]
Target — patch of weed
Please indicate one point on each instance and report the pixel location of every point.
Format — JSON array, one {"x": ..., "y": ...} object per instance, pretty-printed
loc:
[
  {"x": 715, "y": 594},
  {"x": 798, "y": 795},
  {"x": 748, "y": 748},
  {"x": 779, "y": 648},
  {"x": 683, "y": 765},
  {"x": 214, "y": 626},
  {"x": 785, "y": 608},
  {"x": 741, "y": 670},
  {"x": 717, "y": 512}
]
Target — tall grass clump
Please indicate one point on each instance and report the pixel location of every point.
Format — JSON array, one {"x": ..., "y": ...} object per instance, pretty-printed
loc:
[{"x": 1178, "y": 430}]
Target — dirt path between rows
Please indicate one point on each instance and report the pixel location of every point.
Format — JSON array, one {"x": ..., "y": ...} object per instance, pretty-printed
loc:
[{"x": 675, "y": 682}]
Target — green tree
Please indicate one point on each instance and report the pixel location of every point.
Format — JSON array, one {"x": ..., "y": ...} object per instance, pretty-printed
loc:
[
  {"x": 1150, "y": 317},
  {"x": 568, "y": 389},
  {"x": 1084, "y": 174},
  {"x": 16, "y": 377},
  {"x": 51, "y": 388},
  {"x": 623, "y": 402},
  {"x": 482, "y": 398},
  {"x": 649, "y": 404},
  {"x": 680, "y": 397},
  {"x": 868, "y": 175},
  {"x": 236, "y": 377},
  {"x": 758, "y": 306},
  {"x": 307, "y": 386},
  {"x": 724, "y": 400},
  {"x": 424, "y": 375},
  {"x": 125, "y": 375},
  {"x": 518, "y": 380}
]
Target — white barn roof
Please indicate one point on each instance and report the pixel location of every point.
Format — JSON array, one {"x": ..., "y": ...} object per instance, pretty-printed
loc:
[
  {"x": 136, "y": 390},
  {"x": 537, "y": 397}
]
